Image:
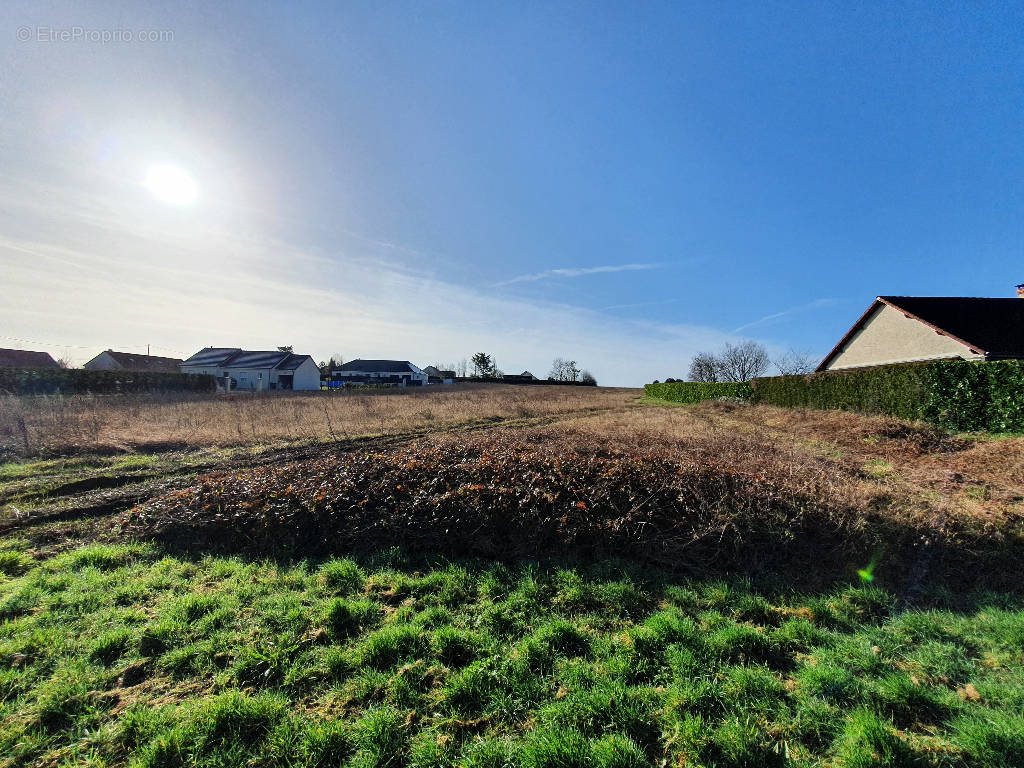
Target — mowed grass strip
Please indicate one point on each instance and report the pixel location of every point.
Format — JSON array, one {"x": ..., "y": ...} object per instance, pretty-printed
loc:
[{"x": 127, "y": 655}]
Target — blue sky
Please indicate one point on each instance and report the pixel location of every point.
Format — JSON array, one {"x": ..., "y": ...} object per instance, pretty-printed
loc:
[{"x": 624, "y": 184}]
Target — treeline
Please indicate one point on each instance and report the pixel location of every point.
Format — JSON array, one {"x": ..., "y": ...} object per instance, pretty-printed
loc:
[
  {"x": 78, "y": 381},
  {"x": 958, "y": 395},
  {"x": 516, "y": 380}
]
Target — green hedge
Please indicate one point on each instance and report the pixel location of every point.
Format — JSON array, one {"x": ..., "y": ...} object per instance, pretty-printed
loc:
[
  {"x": 696, "y": 391},
  {"x": 959, "y": 395},
  {"x": 77, "y": 381},
  {"x": 898, "y": 390},
  {"x": 966, "y": 396}
]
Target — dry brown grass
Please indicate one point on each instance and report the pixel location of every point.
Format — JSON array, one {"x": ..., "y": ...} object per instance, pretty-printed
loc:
[
  {"x": 42, "y": 425},
  {"x": 915, "y": 471}
]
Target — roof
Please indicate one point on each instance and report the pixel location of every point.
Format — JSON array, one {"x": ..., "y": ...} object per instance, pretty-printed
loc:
[
  {"x": 135, "y": 362},
  {"x": 232, "y": 357},
  {"x": 23, "y": 358},
  {"x": 992, "y": 327},
  {"x": 212, "y": 357},
  {"x": 379, "y": 366}
]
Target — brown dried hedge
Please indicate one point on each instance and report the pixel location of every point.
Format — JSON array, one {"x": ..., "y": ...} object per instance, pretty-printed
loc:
[{"x": 724, "y": 501}]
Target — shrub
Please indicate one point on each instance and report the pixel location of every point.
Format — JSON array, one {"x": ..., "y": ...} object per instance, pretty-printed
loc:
[
  {"x": 696, "y": 391},
  {"x": 76, "y": 381},
  {"x": 897, "y": 390},
  {"x": 958, "y": 395}
]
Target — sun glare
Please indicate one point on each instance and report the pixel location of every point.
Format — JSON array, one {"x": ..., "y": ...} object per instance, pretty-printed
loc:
[{"x": 171, "y": 185}]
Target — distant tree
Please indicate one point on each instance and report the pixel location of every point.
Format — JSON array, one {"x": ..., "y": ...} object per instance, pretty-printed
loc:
[
  {"x": 743, "y": 362},
  {"x": 794, "y": 362},
  {"x": 704, "y": 367},
  {"x": 326, "y": 367},
  {"x": 483, "y": 365},
  {"x": 588, "y": 378},
  {"x": 740, "y": 362},
  {"x": 564, "y": 370},
  {"x": 64, "y": 362},
  {"x": 462, "y": 368},
  {"x": 289, "y": 348}
]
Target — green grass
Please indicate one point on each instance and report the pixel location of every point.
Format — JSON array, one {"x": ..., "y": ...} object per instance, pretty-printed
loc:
[{"x": 117, "y": 655}]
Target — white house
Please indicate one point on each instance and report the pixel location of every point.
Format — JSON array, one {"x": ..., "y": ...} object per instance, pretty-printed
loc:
[
  {"x": 129, "y": 361},
  {"x": 256, "y": 371},
  {"x": 400, "y": 373}
]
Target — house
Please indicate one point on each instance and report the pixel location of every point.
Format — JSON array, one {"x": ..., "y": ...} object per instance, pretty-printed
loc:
[
  {"x": 22, "y": 358},
  {"x": 244, "y": 369},
  {"x": 906, "y": 329},
  {"x": 128, "y": 361},
  {"x": 399, "y": 373},
  {"x": 436, "y": 376},
  {"x": 521, "y": 378}
]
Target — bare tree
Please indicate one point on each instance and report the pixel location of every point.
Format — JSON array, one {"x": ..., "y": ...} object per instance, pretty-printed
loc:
[
  {"x": 704, "y": 367},
  {"x": 794, "y": 362},
  {"x": 564, "y": 370},
  {"x": 462, "y": 368},
  {"x": 743, "y": 362},
  {"x": 588, "y": 378},
  {"x": 64, "y": 362}
]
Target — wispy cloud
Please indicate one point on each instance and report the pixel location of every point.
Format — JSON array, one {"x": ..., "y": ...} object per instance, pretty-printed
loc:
[
  {"x": 576, "y": 272},
  {"x": 65, "y": 267},
  {"x": 640, "y": 304},
  {"x": 816, "y": 304}
]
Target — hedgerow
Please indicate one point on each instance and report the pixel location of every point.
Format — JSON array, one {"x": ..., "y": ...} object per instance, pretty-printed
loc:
[
  {"x": 954, "y": 394},
  {"x": 697, "y": 391},
  {"x": 895, "y": 390},
  {"x": 76, "y": 381}
]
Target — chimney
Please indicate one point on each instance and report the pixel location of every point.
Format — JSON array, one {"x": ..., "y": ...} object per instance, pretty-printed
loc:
[{"x": 1020, "y": 291}]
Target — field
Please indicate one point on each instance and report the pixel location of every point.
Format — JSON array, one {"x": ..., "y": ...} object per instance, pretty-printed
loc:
[{"x": 505, "y": 577}]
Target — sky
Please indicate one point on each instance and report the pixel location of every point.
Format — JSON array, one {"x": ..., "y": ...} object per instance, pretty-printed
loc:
[{"x": 623, "y": 184}]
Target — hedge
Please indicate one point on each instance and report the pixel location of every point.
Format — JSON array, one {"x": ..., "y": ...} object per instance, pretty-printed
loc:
[
  {"x": 697, "y": 391},
  {"x": 959, "y": 395},
  {"x": 77, "y": 381},
  {"x": 897, "y": 390}
]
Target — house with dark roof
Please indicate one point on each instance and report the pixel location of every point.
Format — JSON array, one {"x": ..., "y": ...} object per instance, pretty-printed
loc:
[
  {"x": 129, "y": 361},
  {"x": 23, "y": 358},
  {"x": 399, "y": 373},
  {"x": 906, "y": 329},
  {"x": 242, "y": 369},
  {"x": 436, "y": 375}
]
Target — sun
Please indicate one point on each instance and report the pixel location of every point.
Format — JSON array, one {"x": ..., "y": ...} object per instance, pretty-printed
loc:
[{"x": 171, "y": 184}]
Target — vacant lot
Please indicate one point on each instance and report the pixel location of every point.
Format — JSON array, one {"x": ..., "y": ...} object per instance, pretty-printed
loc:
[
  {"x": 591, "y": 582},
  {"x": 42, "y": 426}
]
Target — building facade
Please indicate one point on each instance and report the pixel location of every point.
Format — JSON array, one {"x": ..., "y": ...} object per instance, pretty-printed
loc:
[
  {"x": 908, "y": 329},
  {"x": 255, "y": 371}
]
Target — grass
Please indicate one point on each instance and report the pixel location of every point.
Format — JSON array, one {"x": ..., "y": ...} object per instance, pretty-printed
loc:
[
  {"x": 118, "y": 654},
  {"x": 148, "y": 423}
]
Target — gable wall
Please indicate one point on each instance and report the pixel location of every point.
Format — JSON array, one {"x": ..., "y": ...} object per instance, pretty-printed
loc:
[
  {"x": 102, "y": 362},
  {"x": 889, "y": 336}
]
